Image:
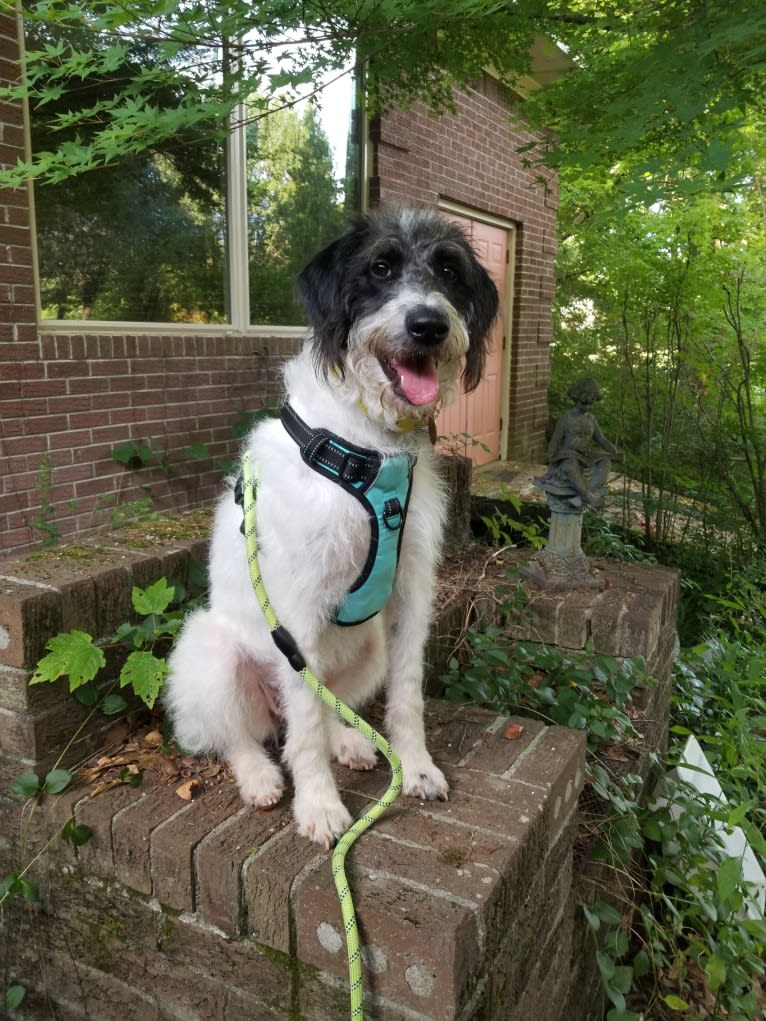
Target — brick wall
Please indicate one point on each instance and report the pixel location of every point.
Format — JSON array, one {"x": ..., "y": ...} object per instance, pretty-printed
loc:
[
  {"x": 18, "y": 335},
  {"x": 80, "y": 397},
  {"x": 471, "y": 158}
]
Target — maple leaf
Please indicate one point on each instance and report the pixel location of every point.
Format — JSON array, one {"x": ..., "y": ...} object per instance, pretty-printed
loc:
[{"x": 73, "y": 655}]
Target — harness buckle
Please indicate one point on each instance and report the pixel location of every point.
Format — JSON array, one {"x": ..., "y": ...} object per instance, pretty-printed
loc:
[
  {"x": 393, "y": 515},
  {"x": 352, "y": 468}
]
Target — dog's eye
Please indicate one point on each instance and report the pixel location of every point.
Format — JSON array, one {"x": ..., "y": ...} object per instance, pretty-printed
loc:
[
  {"x": 381, "y": 269},
  {"x": 448, "y": 271}
]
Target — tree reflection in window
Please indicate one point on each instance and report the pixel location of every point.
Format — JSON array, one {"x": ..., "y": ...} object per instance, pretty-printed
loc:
[{"x": 143, "y": 239}]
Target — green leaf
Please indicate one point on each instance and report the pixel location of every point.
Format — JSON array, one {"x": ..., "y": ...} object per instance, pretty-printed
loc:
[
  {"x": 57, "y": 781},
  {"x": 616, "y": 1014},
  {"x": 113, "y": 704},
  {"x": 71, "y": 654},
  {"x": 145, "y": 674},
  {"x": 675, "y": 1002},
  {"x": 735, "y": 817},
  {"x": 14, "y": 996},
  {"x": 197, "y": 450},
  {"x": 87, "y": 695},
  {"x": 75, "y": 834},
  {"x": 728, "y": 877},
  {"x": 131, "y": 779},
  {"x": 607, "y": 912},
  {"x": 26, "y": 889},
  {"x": 592, "y": 917},
  {"x": 715, "y": 972},
  {"x": 623, "y": 978},
  {"x": 25, "y": 786},
  {"x": 154, "y": 599},
  {"x": 641, "y": 964},
  {"x": 606, "y": 966}
]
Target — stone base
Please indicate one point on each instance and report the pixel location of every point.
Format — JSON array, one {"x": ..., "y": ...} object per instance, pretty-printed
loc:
[{"x": 561, "y": 572}]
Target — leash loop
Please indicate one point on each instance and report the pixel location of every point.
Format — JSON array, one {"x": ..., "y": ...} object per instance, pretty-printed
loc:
[{"x": 245, "y": 493}]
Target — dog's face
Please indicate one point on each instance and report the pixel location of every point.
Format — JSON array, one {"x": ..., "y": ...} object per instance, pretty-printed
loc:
[{"x": 396, "y": 303}]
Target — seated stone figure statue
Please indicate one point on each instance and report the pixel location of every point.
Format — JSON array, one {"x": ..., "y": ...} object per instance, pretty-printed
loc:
[{"x": 577, "y": 473}]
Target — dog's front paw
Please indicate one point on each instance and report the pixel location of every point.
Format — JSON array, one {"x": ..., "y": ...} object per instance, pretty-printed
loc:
[
  {"x": 261, "y": 785},
  {"x": 425, "y": 781},
  {"x": 322, "y": 822}
]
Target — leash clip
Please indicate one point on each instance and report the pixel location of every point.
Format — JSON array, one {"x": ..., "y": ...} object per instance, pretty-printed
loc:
[{"x": 287, "y": 645}]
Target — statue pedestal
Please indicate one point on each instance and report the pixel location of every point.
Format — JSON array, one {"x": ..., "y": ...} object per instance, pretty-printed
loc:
[{"x": 562, "y": 564}]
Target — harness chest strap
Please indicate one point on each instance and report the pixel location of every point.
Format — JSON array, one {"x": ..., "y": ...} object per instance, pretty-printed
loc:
[{"x": 382, "y": 485}]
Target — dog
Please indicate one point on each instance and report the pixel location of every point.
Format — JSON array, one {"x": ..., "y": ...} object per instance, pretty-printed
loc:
[{"x": 401, "y": 310}]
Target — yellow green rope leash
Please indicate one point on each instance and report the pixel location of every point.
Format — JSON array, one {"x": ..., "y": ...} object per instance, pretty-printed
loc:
[{"x": 286, "y": 644}]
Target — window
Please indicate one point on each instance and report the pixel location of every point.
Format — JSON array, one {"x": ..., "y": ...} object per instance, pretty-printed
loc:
[{"x": 197, "y": 232}]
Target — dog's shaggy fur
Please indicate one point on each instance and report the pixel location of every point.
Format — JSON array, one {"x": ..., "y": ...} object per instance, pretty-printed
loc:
[{"x": 399, "y": 307}]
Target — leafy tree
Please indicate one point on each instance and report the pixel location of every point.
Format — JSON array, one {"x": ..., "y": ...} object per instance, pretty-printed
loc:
[
  {"x": 659, "y": 96},
  {"x": 128, "y": 243},
  {"x": 665, "y": 305},
  {"x": 142, "y": 238}
]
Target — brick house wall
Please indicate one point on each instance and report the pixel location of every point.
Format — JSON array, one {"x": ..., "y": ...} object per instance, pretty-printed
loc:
[{"x": 68, "y": 400}]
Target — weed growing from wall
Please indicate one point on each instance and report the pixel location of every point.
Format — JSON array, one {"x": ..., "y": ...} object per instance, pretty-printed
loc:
[{"x": 44, "y": 521}]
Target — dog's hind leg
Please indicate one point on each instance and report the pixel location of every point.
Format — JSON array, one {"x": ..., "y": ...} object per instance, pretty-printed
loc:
[
  {"x": 219, "y": 703},
  {"x": 259, "y": 779}
]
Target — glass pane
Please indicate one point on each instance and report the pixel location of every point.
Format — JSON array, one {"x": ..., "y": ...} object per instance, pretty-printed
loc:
[
  {"x": 303, "y": 174},
  {"x": 141, "y": 239}
]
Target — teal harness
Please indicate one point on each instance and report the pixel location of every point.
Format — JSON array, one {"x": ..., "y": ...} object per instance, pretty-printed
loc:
[{"x": 382, "y": 485}]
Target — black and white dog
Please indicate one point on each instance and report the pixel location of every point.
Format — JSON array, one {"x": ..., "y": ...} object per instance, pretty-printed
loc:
[{"x": 349, "y": 520}]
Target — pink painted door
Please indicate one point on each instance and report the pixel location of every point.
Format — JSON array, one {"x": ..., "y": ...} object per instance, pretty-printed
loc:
[{"x": 472, "y": 425}]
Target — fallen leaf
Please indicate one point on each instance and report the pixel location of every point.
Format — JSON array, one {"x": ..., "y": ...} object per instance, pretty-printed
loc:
[
  {"x": 153, "y": 739},
  {"x": 513, "y": 731},
  {"x": 189, "y": 790},
  {"x": 534, "y": 680},
  {"x": 161, "y": 764}
]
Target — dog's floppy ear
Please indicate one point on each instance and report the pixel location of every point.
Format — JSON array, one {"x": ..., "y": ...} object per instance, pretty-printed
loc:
[
  {"x": 484, "y": 308},
  {"x": 322, "y": 284}
]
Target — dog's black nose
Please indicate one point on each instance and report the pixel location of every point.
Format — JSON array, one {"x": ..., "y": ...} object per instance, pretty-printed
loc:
[{"x": 427, "y": 325}]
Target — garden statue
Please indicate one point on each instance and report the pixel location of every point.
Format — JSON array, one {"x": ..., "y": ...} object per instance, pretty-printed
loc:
[
  {"x": 577, "y": 473},
  {"x": 575, "y": 480}
]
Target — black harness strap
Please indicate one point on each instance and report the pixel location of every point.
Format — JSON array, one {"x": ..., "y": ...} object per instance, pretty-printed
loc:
[{"x": 354, "y": 468}]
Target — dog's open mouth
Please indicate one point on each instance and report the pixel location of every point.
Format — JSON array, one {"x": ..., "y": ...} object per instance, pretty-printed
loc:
[{"x": 415, "y": 379}]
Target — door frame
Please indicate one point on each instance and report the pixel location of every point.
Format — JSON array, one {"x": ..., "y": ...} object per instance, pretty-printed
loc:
[{"x": 469, "y": 213}]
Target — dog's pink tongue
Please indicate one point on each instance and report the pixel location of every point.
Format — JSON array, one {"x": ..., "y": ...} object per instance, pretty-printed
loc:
[{"x": 419, "y": 382}]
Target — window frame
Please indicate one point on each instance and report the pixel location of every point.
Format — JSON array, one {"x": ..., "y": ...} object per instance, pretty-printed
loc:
[{"x": 236, "y": 259}]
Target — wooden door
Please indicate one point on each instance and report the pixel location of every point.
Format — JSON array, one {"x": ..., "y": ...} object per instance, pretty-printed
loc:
[{"x": 473, "y": 424}]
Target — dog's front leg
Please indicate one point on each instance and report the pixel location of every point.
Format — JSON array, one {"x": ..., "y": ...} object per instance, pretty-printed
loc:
[
  {"x": 319, "y": 813},
  {"x": 404, "y": 704}
]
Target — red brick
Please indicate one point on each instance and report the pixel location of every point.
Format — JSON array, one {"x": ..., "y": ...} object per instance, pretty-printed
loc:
[
  {"x": 220, "y": 859},
  {"x": 131, "y": 831},
  {"x": 29, "y": 616},
  {"x": 174, "y": 842}
]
